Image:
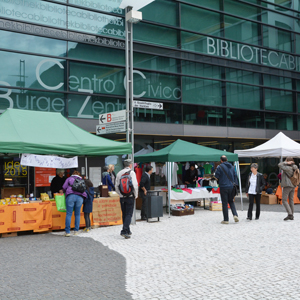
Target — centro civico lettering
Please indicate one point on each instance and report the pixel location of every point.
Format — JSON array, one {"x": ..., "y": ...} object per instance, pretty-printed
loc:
[
  {"x": 252, "y": 54},
  {"x": 76, "y": 83}
]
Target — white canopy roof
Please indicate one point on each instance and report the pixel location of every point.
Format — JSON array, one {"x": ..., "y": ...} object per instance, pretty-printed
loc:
[{"x": 279, "y": 146}]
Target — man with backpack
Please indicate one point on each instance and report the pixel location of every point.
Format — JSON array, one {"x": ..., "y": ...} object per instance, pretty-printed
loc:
[
  {"x": 127, "y": 188},
  {"x": 289, "y": 181}
]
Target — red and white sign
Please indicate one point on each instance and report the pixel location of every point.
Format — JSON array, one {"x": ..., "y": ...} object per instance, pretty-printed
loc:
[{"x": 113, "y": 117}]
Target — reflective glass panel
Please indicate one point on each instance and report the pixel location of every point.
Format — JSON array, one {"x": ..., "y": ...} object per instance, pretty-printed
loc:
[
  {"x": 202, "y": 70},
  {"x": 279, "y": 121},
  {"x": 278, "y": 100},
  {"x": 22, "y": 70},
  {"x": 215, "y": 4},
  {"x": 200, "y": 91},
  {"x": 241, "y": 9},
  {"x": 99, "y": 79},
  {"x": 96, "y": 53},
  {"x": 277, "y": 39},
  {"x": 278, "y": 82},
  {"x": 171, "y": 113},
  {"x": 32, "y": 100},
  {"x": 243, "y": 96},
  {"x": 241, "y": 31},
  {"x": 102, "y": 5},
  {"x": 245, "y": 118},
  {"x": 22, "y": 42},
  {"x": 193, "y": 42},
  {"x": 155, "y": 34},
  {"x": 200, "y": 20},
  {"x": 242, "y": 76},
  {"x": 89, "y": 107},
  {"x": 202, "y": 115},
  {"x": 156, "y": 12}
]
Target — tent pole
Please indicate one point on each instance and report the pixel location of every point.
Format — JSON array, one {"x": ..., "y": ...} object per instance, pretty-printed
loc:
[
  {"x": 169, "y": 186},
  {"x": 86, "y": 168},
  {"x": 240, "y": 184}
]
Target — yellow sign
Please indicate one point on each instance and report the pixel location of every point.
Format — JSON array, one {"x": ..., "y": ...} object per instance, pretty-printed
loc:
[{"x": 14, "y": 169}]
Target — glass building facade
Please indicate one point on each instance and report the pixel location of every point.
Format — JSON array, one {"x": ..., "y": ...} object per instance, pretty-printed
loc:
[{"x": 222, "y": 68}]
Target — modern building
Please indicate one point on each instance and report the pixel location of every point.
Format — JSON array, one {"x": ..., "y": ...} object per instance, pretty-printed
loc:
[{"x": 226, "y": 71}]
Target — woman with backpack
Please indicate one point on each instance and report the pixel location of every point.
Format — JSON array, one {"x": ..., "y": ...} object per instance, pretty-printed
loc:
[
  {"x": 88, "y": 204},
  {"x": 106, "y": 179},
  {"x": 288, "y": 168},
  {"x": 74, "y": 188}
]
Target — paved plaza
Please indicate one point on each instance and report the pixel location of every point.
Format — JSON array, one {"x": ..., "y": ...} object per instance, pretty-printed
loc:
[{"x": 190, "y": 257}]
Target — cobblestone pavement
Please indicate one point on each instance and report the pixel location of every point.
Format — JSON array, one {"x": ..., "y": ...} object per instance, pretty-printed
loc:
[
  {"x": 52, "y": 267},
  {"x": 196, "y": 257}
]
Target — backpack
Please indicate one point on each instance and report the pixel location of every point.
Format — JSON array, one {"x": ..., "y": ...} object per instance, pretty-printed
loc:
[
  {"x": 126, "y": 186},
  {"x": 78, "y": 185},
  {"x": 295, "y": 179}
]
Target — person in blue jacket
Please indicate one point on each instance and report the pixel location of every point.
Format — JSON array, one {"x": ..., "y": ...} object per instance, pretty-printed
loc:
[
  {"x": 88, "y": 204},
  {"x": 106, "y": 179},
  {"x": 226, "y": 176}
]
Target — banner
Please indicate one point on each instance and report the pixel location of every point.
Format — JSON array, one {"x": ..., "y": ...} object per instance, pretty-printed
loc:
[{"x": 48, "y": 161}]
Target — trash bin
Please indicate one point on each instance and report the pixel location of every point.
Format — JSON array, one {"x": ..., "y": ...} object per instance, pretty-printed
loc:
[{"x": 155, "y": 207}]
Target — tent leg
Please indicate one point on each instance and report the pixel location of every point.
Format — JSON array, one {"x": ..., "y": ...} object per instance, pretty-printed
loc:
[
  {"x": 169, "y": 186},
  {"x": 86, "y": 169},
  {"x": 240, "y": 184}
]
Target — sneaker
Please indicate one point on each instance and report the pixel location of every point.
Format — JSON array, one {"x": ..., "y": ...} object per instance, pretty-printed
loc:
[
  {"x": 236, "y": 219},
  {"x": 130, "y": 233},
  {"x": 289, "y": 217},
  {"x": 249, "y": 219},
  {"x": 76, "y": 232},
  {"x": 256, "y": 218},
  {"x": 125, "y": 235},
  {"x": 224, "y": 222},
  {"x": 67, "y": 234},
  {"x": 85, "y": 229}
]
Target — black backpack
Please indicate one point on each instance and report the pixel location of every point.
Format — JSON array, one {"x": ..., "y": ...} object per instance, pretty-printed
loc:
[{"x": 78, "y": 185}]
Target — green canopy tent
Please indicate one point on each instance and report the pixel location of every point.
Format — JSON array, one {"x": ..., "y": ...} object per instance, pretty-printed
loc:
[
  {"x": 184, "y": 151},
  {"x": 34, "y": 132},
  {"x": 51, "y": 133}
]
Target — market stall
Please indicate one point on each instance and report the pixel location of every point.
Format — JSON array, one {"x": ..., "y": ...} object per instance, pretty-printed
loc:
[
  {"x": 184, "y": 151},
  {"x": 44, "y": 133}
]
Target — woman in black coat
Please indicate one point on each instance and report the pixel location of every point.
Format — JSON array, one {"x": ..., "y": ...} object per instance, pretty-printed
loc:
[
  {"x": 254, "y": 187},
  {"x": 88, "y": 204}
]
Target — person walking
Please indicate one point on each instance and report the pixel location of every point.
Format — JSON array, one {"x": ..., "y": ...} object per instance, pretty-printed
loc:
[
  {"x": 88, "y": 204},
  {"x": 74, "y": 202},
  {"x": 106, "y": 179},
  {"x": 127, "y": 201},
  {"x": 288, "y": 167},
  {"x": 226, "y": 176},
  {"x": 143, "y": 190},
  {"x": 255, "y": 185}
]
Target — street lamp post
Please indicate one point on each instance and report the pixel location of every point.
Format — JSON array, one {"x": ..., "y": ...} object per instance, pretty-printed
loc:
[{"x": 132, "y": 15}]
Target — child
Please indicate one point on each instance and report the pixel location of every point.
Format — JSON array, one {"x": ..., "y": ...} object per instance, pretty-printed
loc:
[{"x": 88, "y": 204}]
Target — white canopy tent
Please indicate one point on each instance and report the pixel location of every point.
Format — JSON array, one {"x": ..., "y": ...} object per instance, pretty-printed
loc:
[{"x": 279, "y": 146}]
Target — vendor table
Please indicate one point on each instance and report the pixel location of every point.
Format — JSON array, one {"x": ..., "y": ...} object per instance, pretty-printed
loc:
[
  {"x": 279, "y": 195},
  {"x": 194, "y": 195},
  {"x": 25, "y": 217}
]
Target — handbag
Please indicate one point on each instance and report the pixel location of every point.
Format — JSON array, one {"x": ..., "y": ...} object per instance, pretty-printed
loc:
[
  {"x": 235, "y": 190},
  {"x": 60, "y": 200}
]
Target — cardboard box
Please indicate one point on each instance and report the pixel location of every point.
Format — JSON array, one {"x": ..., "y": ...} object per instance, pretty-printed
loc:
[
  {"x": 215, "y": 206},
  {"x": 201, "y": 202},
  {"x": 268, "y": 199}
]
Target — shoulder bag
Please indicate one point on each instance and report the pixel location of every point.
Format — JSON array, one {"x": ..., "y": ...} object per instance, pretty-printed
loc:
[{"x": 235, "y": 187}]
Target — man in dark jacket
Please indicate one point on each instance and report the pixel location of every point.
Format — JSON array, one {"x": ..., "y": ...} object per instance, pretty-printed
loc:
[
  {"x": 225, "y": 170},
  {"x": 191, "y": 176},
  {"x": 143, "y": 190},
  {"x": 58, "y": 182}
]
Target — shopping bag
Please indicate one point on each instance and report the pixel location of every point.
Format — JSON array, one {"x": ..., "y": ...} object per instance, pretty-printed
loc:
[{"x": 60, "y": 200}]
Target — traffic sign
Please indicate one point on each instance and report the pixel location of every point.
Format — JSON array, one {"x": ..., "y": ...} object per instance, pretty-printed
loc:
[
  {"x": 111, "y": 128},
  {"x": 116, "y": 116},
  {"x": 148, "y": 105}
]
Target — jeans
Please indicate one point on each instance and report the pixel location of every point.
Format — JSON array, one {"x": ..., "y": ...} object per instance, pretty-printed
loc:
[
  {"x": 288, "y": 192},
  {"x": 251, "y": 202},
  {"x": 73, "y": 202},
  {"x": 226, "y": 197},
  {"x": 127, "y": 205},
  {"x": 144, "y": 205},
  {"x": 87, "y": 220}
]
